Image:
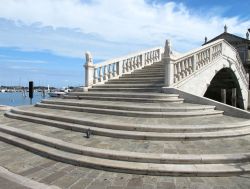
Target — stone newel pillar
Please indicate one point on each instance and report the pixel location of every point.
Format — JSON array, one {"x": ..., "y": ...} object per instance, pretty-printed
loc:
[
  {"x": 169, "y": 65},
  {"x": 89, "y": 70}
]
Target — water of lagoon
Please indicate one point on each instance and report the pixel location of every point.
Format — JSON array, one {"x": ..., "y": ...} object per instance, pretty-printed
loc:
[{"x": 17, "y": 98}]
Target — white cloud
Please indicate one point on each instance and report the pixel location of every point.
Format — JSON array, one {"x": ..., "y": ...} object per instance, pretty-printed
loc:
[
  {"x": 23, "y": 61},
  {"x": 108, "y": 27}
]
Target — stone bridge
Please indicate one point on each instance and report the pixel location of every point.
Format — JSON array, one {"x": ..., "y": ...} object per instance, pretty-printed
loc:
[
  {"x": 145, "y": 113},
  {"x": 214, "y": 71}
]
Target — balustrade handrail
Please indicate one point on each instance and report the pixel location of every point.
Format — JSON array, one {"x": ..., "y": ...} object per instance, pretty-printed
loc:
[
  {"x": 117, "y": 59},
  {"x": 103, "y": 71},
  {"x": 193, "y": 61},
  {"x": 197, "y": 50}
]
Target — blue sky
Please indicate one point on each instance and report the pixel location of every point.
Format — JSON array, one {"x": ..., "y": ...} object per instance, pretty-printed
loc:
[{"x": 45, "y": 40}]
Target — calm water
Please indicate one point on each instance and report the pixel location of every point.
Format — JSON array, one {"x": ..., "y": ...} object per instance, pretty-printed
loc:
[{"x": 17, "y": 99}]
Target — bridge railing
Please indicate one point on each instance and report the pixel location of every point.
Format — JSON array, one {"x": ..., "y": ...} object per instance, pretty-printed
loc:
[
  {"x": 194, "y": 61},
  {"x": 239, "y": 65},
  {"x": 99, "y": 73}
]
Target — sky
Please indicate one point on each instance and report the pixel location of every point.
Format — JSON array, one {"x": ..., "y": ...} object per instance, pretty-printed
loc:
[{"x": 45, "y": 40}]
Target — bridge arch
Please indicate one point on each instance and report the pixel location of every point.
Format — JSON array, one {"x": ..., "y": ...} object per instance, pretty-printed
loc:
[
  {"x": 225, "y": 79},
  {"x": 199, "y": 82}
]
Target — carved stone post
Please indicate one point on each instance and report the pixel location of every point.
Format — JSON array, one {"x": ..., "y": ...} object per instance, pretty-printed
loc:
[
  {"x": 89, "y": 70},
  {"x": 169, "y": 65}
]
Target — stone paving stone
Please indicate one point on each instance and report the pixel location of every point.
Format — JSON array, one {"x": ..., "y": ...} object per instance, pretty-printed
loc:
[
  {"x": 80, "y": 172},
  {"x": 165, "y": 185},
  {"x": 81, "y": 183},
  {"x": 6, "y": 184},
  {"x": 52, "y": 177},
  {"x": 35, "y": 169},
  {"x": 98, "y": 185},
  {"x": 136, "y": 182},
  {"x": 39, "y": 175},
  {"x": 115, "y": 187},
  {"x": 65, "y": 181},
  {"x": 148, "y": 186}
]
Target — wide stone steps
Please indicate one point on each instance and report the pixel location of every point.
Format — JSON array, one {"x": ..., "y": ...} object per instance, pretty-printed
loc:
[
  {"x": 122, "y": 123},
  {"x": 131, "y": 113},
  {"x": 147, "y": 107},
  {"x": 139, "y": 81},
  {"x": 134, "y": 81},
  {"x": 130, "y": 89},
  {"x": 155, "y": 71},
  {"x": 79, "y": 125},
  {"x": 128, "y": 95},
  {"x": 128, "y": 162},
  {"x": 129, "y": 85},
  {"x": 155, "y": 78},
  {"x": 125, "y": 96},
  {"x": 149, "y": 75},
  {"x": 123, "y": 99}
]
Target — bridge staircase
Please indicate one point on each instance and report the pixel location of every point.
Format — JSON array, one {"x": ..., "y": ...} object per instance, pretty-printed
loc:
[{"x": 125, "y": 123}]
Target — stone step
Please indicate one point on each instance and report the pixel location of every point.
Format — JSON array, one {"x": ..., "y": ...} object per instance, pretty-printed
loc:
[
  {"x": 219, "y": 169},
  {"x": 122, "y": 99},
  {"x": 142, "y": 75},
  {"x": 142, "y": 124},
  {"x": 131, "y": 113},
  {"x": 139, "y": 78},
  {"x": 134, "y": 85},
  {"x": 75, "y": 124},
  {"x": 135, "y": 81},
  {"x": 127, "y": 95},
  {"x": 128, "y": 106},
  {"x": 136, "y": 89},
  {"x": 149, "y": 71},
  {"x": 159, "y": 158}
]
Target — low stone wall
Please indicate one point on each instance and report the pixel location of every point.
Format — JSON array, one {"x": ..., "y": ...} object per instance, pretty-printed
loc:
[{"x": 228, "y": 110}]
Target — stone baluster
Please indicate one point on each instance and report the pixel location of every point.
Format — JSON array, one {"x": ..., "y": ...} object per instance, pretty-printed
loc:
[
  {"x": 194, "y": 63},
  {"x": 182, "y": 69},
  {"x": 110, "y": 71},
  {"x": 119, "y": 68},
  {"x": 127, "y": 65},
  {"x": 105, "y": 72},
  {"x": 134, "y": 63},
  {"x": 142, "y": 57},
  {"x": 114, "y": 70},
  {"x": 154, "y": 57},
  {"x": 101, "y": 74},
  {"x": 175, "y": 73},
  {"x": 190, "y": 65},
  {"x": 89, "y": 70},
  {"x": 202, "y": 59},
  {"x": 146, "y": 58},
  {"x": 124, "y": 69},
  {"x": 96, "y": 76},
  {"x": 186, "y": 67}
]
